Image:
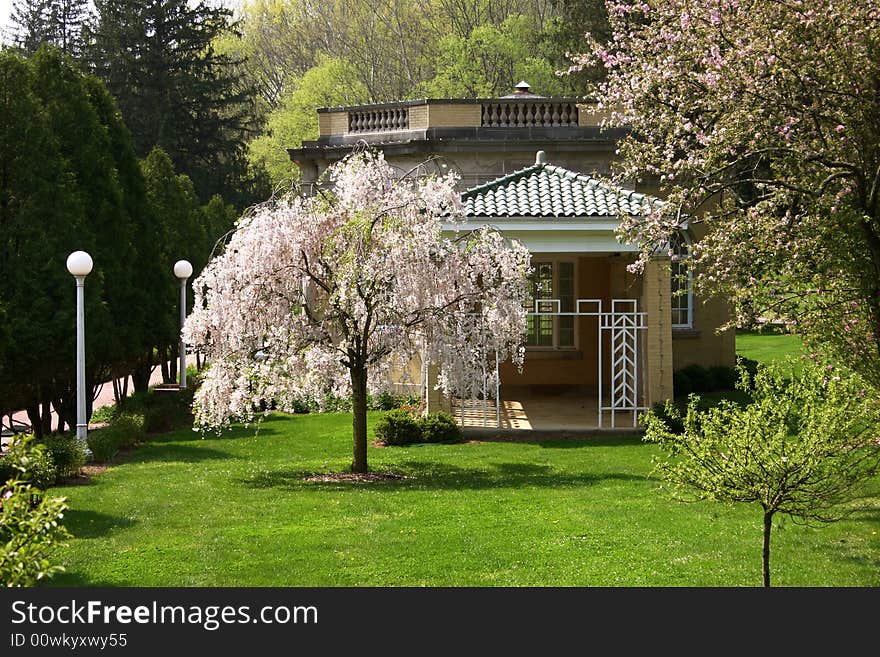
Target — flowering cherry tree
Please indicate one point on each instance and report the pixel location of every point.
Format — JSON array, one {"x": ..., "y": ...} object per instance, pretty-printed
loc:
[
  {"x": 333, "y": 293},
  {"x": 760, "y": 120}
]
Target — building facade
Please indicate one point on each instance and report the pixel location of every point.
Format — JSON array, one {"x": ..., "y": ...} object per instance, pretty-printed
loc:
[{"x": 601, "y": 339}]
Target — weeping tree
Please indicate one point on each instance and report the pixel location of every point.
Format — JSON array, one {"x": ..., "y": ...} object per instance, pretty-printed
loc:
[
  {"x": 334, "y": 293},
  {"x": 801, "y": 448}
]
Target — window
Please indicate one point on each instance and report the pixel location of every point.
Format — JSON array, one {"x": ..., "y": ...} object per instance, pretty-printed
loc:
[
  {"x": 551, "y": 280},
  {"x": 682, "y": 281}
]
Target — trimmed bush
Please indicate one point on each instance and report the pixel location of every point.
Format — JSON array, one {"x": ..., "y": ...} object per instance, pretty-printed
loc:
[
  {"x": 439, "y": 427},
  {"x": 681, "y": 384},
  {"x": 67, "y": 453},
  {"x": 723, "y": 377},
  {"x": 127, "y": 429},
  {"x": 699, "y": 377},
  {"x": 29, "y": 462},
  {"x": 670, "y": 415},
  {"x": 398, "y": 427},
  {"x": 103, "y": 443},
  {"x": 167, "y": 410}
]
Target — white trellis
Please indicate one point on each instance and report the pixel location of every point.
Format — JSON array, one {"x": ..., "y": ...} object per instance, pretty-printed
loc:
[
  {"x": 624, "y": 328},
  {"x": 625, "y": 325}
]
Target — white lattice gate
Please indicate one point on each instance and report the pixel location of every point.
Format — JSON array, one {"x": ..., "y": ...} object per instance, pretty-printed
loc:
[
  {"x": 624, "y": 325},
  {"x": 622, "y": 328}
]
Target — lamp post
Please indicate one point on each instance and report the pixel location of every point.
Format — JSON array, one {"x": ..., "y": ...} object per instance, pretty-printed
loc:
[
  {"x": 183, "y": 270},
  {"x": 79, "y": 263}
]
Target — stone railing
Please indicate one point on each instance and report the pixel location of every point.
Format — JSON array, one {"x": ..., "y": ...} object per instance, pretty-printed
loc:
[
  {"x": 519, "y": 114},
  {"x": 378, "y": 120}
]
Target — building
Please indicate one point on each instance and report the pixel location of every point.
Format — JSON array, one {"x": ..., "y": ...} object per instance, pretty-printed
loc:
[{"x": 603, "y": 342}]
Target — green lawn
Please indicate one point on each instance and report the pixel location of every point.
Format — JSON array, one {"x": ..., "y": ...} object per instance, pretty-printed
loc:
[
  {"x": 768, "y": 346},
  {"x": 236, "y": 511}
]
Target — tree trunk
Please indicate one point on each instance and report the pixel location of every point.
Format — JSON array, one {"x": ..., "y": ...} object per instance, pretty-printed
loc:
[
  {"x": 359, "y": 421},
  {"x": 33, "y": 412},
  {"x": 141, "y": 375},
  {"x": 46, "y": 416},
  {"x": 768, "y": 523}
]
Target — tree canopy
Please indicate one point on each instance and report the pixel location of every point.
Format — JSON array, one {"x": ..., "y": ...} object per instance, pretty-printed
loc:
[
  {"x": 800, "y": 447},
  {"x": 176, "y": 91},
  {"x": 330, "y": 294},
  {"x": 759, "y": 120}
]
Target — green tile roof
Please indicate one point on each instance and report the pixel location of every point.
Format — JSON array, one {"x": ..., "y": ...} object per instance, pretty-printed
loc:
[{"x": 546, "y": 190}]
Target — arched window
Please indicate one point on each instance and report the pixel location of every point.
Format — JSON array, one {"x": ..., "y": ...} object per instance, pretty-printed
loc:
[{"x": 682, "y": 281}]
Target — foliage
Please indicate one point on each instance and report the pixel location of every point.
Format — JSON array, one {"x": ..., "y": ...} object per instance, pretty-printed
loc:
[
  {"x": 802, "y": 447},
  {"x": 67, "y": 454},
  {"x": 398, "y": 427},
  {"x": 759, "y": 119},
  {"x": 104, "y": 444},
  {"x": 698, "y": 378},
  {"x": 295, "y": 119},
  {"x": 30, "y": 462},
  {"x": 175, "y": 90},
  {"x": 330, "y": 293},
  {"x": 491, "y": 59},
  {"x": 127, "y": 428},
  {"x": 439, "y": 427},
  {"x": 30, "y": 522},
  {"x": 55, "y": 22}
]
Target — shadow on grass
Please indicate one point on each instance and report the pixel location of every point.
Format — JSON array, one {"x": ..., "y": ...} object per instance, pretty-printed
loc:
[
  {"x": 556, "y": 439},
  {"x": 442, "y": 476},
  {"x": 92, "y": 524},
  {"x": 75, "y": 579},
  {"x": 179, "y": 453},
  {"x": 235, "y": 433}
]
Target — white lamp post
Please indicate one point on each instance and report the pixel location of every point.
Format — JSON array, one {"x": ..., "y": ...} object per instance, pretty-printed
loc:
[
  {"x": 183, "y": 270},
  {"x": 79, "y": 263}
]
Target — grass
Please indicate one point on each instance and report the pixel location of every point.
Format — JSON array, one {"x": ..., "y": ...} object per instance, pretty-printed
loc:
[
  {"x": 769, "y": 346},
  {"x": 236, "y": 511}
]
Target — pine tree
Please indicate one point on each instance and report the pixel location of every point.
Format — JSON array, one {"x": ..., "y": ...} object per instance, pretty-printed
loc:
[
  {"x": 59, "y": 23},
  {"x": 31, "y": 25},
  {"x": 174, "y": 90}
]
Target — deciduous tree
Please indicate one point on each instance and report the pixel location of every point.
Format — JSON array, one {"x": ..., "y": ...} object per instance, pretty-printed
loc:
[
  {"x": 330, "y": 293},
  {"x": 800, "y": 448},
  {"x": 760, "y": 121}
]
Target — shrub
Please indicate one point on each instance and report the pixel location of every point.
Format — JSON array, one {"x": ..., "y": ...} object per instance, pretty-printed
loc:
[
  {"x": 30, "y": 527},
  {"x": 167, "y": 410},
  {"x": 103, "y": 443},
  {"x": 67, "y": 452},
  {"x": 439, "y": 427},
  {"x": 127, "y": 428},
  {"x": 699, "y": 377},
  {"x": 668, "y": 413},
  {"x": 681, "y": 384},
  {"x": 723, "y": 377},
  {"x": 31, "y": 463},
  {"x": 103, "y": 413},
  {"x": 398, "y": 427}
]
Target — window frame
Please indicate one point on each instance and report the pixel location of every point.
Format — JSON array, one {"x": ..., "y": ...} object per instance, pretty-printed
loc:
[
  {"x": 554, "y": 262},
  {"x": 679, "y": 253}
]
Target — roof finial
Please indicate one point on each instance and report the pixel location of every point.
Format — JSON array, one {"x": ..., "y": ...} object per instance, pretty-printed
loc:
[{"x": 540, "y": 157}]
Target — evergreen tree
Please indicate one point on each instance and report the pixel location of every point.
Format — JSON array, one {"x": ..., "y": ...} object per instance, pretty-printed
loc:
[
  {"x": 174, "y": 90},
  {"x": 41, "y": 221},
  {"x": 31, "y": 26},
  {"x": 59, "y": 23}
]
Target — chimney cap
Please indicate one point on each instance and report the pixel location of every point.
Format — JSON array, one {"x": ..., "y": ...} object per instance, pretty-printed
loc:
[{"x": 522, "y": 90}]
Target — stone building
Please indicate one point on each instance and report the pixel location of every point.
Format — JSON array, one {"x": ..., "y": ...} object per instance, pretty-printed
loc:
[{"x": 603, "y": 342}]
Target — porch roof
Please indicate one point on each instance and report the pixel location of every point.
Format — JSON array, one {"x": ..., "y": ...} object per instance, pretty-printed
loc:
[{"x": 548, "y": 191}]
